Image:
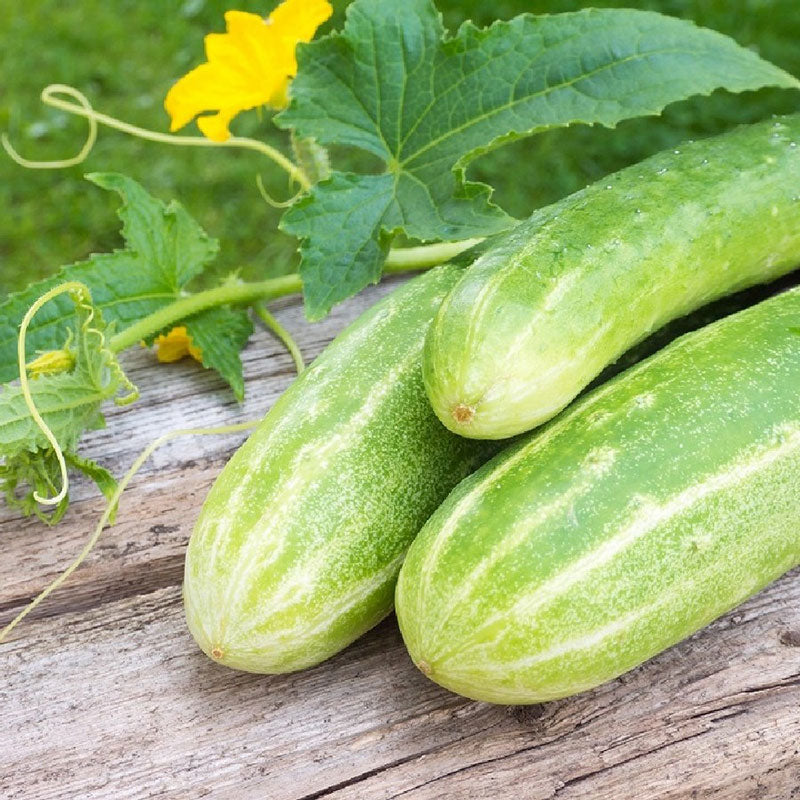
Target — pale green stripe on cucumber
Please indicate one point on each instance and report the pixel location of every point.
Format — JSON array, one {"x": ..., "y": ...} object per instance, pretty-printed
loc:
[
  {"x": 298, "y": 545},
  {"x": 655, "y": 504},
  {"x": 565, "y": 293}
]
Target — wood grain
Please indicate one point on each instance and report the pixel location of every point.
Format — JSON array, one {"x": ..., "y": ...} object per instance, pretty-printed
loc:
[{"x": 104, "y": 694}]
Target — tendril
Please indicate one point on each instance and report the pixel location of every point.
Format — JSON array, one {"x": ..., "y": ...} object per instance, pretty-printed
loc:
[
  {"x": 271, "y": 201},
  {"x": 112, "y": 501},
  {"x": 79, "y": 105},
  {"x": 81, "y": 293},
  {"x": 111, "y": 504},
  {"x": 282, "y": 334},
  {"x": 49, "y": 97}
]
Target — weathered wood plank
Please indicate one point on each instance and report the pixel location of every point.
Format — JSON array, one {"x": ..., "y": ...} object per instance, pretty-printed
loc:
[
  {"x": 104, "y": 694},
  {"x": 118, "y": 703}
]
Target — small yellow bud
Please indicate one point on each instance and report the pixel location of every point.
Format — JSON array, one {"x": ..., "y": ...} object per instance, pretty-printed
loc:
[{"x": 51, "y": 363}]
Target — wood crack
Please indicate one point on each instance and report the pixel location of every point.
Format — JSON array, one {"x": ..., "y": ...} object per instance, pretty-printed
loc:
[
  {"x": 468, "y": 767},
  {"x": 609, "y": 767},
  {"x": 127, "y": 582},
  {"x": 360, "y": 778}
]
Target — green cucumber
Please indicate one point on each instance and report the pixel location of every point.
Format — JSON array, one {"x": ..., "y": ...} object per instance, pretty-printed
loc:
[
  {"x": 655, "y": 504},
  {"x": 298, "y": 545},
  {"x": 565, "y": 293}
]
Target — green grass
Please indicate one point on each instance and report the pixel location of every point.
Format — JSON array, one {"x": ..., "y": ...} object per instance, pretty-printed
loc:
[{"x": 125, "y": 55}]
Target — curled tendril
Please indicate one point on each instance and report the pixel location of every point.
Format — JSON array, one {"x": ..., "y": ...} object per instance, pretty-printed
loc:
[
  {"x": 82, "y": 298},
  {"x": 81, "y": 294},
  {"x": 53, "y": 95},
  {"x": 111, "y": 504},
  {"x": 271, "y": 201},
  {"x": 49, "y": 97}
]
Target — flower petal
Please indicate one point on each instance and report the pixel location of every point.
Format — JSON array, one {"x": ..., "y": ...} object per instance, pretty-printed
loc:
[
  {"x": 299, "y": 19},
  {"x": 189, "y": 96},
  {"x": 215, "y": 126}
]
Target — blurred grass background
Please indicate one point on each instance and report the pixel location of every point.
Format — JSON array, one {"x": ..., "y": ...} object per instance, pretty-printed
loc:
[{"x": 124, "y": 55}]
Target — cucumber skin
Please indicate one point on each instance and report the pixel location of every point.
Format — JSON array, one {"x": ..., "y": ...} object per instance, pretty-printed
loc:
[
  {"x": 298, "y": 545},
  {"x": 657, "y": 503},
  {"x": 566, "y": 292}
]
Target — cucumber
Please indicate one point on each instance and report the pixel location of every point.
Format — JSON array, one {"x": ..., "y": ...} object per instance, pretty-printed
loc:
[
  {"x": 561, "y": 296},
  {"x": 655, "y": 504},
  {"x": 298, "y": 545}
]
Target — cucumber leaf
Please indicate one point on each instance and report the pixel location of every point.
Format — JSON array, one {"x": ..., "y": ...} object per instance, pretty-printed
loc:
[
  {"x": 165, "y": 249},
  {"x": 28, "y": 473},
  {"x": 104, "y": 480},
  {"x": 393, "y": 84}
]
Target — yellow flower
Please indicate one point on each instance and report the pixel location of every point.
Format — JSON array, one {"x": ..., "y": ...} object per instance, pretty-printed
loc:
[
  {"x": 175, "y": 345},
  {"x": 250, "y": 65},
  {"x": 51, "y": 363}
]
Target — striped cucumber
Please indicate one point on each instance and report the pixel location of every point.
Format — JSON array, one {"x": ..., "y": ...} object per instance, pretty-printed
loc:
[
  {"x": 658, "y": 502},
  {"x": 566, "y": 292},
  {"x": 297, "y": 548}
]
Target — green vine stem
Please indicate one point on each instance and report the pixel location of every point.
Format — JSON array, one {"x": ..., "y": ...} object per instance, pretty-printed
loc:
[
  {"x": 227, "y": 294},
  {"x": 427, "y": 255},
  {"x": 246, "y": 294}
]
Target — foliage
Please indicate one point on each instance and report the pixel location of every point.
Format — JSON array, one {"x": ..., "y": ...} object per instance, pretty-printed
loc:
[
  {"x": 50, "y": 218},
  {"x": 165, "y": 249},
  {"x": 390, "y": 85},
  {"x": 69, "y": 403}
]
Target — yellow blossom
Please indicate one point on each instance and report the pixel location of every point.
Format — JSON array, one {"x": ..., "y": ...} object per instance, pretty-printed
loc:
[
  {"x": 51, "y": 363},
  {"x": 175, "y": 345},
  {"x": 250, "y": 65}
]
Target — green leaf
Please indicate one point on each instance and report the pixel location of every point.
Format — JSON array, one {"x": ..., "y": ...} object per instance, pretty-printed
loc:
[
  {"x": 426, "y": 105},
  {"x": 104, "y": 480},
  {"x": 221, "y": 333},
  {"x": 27, "y": 474},
  {"x": 69, "y": 402},
  {"x": 165, "y": 249}
]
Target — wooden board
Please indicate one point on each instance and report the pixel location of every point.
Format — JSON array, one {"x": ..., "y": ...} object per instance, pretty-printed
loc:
[{"x": 103, "y": 694}]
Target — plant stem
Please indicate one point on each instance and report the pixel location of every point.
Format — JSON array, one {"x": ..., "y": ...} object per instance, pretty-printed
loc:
[
  {"x": 234, "y": 294},
  {"x": 51, "y": 96},
  {"x": 428, "y": 255},
  {"x": 245, "y": 294}
]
